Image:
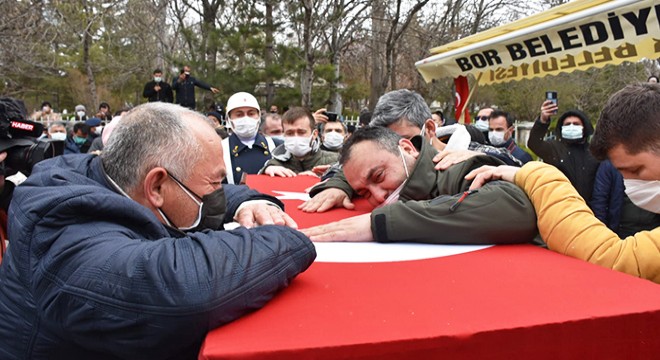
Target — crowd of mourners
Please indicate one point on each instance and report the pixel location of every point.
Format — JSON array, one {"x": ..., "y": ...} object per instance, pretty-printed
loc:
[{"x": 123, "y": 246}]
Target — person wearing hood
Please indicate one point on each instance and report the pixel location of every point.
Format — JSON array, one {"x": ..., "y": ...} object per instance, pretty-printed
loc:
[
  {"x": 627, "y": 135},
  {"x": 245, "y": 150},
  {"x": 301, "y": 152},
  {"x": 80, "y": 113},
  {"x": 570, "y": 153}
]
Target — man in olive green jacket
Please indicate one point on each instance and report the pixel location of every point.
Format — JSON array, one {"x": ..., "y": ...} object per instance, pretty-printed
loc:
[
  {"x": 300, "y": 154},
  {"x": 416, "y": 203}
]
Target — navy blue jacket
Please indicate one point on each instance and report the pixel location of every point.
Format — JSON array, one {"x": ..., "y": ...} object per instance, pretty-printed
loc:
[
  {"x": 245, "y": 160},
  {"x": 92, "y": 274},
  {"x": 70, "y": 146},
  {"x": 517, "y": 152},
  {"x": 607, "y": 198}
]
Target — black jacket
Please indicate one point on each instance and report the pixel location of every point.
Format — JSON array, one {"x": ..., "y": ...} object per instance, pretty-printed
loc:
[
  {"x": 570, "y": 157},
  {"x": 164, "y": 95},
  {"x": 185, "y": 91}
]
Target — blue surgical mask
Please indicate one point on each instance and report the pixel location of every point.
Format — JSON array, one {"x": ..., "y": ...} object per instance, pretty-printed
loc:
[
  {"x": 482, "y": 125},
  {"x": 572, "y": 132}
]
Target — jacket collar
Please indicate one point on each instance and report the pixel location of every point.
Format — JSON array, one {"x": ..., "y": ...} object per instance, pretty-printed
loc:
[
  {"x": 423, "y": 177},
  {"x": 236, "y": 145}
]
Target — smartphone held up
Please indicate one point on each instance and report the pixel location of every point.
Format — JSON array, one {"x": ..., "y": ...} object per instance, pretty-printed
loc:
[{"x": 552, "y": 96}]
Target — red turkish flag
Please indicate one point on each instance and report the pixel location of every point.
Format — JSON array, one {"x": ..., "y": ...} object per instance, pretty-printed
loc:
[{"x": 461, "y": 97}]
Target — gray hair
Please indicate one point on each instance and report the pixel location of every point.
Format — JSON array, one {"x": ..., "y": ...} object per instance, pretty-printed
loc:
[
  {"x": 385, "y": 138},
  {"x": 151, "y": 135},
  {"x": 400, "y": 105},
  {"x": 56, "y": 123}
]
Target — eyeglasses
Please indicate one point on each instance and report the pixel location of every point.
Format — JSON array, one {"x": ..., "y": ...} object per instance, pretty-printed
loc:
[{"x": 481, "y": 117}]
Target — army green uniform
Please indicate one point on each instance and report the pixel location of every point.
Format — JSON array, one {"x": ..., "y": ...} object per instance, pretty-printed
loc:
[
  {"x": 428, "y": 210},
  {"x": 281, "y": 157}
]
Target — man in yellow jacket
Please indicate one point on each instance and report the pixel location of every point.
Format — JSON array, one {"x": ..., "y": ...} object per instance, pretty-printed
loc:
[{"x": 628, "y": 134}]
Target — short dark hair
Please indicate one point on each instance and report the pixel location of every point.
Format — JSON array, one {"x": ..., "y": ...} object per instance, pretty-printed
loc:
[
  {"x": 104, "y": 105},
  {"x": 384, "y": 137},
  {"x": 322, "y": 126},
  {"x": 46, "y": 103},
  {"x": 295, "y": 113},
  {"x": 158, "y": 71},
  {"x": 498, "y": 113},
  {"x": 440, "y": 113},
  {"x": 364, "y": 118},
  {"x": 84, "y": 128},
  {"x": 630, "y": 117}
]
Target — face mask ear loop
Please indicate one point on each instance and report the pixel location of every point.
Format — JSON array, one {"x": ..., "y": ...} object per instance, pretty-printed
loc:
[
  {"x": 193, "y": 196},
  {"x": 405, "y": 166},
  {"x": 424, "y": 130}
]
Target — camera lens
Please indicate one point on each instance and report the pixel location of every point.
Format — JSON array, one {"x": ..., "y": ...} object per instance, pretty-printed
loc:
[{"x": 23, "y": 158}]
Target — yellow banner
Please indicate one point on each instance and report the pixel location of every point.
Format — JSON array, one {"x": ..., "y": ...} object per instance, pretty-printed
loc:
[{"x": 610, "y": 33}]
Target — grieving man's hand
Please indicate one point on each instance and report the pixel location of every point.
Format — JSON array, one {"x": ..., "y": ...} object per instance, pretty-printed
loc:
[
  {"x": 326, "y": 200},
  {"x": 276, "y": 170},
  {"x": 488, "y": 173},
  {"x": 447, "y": 158},
  {"x": 353, "y": 229},
  {"x": 252, "y": 215}
]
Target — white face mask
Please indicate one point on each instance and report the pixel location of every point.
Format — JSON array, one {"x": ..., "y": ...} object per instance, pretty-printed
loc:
[
  {"x": 571, "y": 132},
  {"x": 98, "y": 130},
  {"x": 496, "y": 138},
  {"x": 245, "y": 128},
  {"x": 277, "y": 137},
  {"x": 298, "y": 146},
  {"x": 80, "y": 114},
  {"x": 481, "y": 125},
  {"x": 422, "y": 134},
  {"x": 158, "y": 79},
  {"x": 394, "y": 196},
  {"x": 45, "y": 109},
  {"x": 58, "y": 136},
  {"x": 644, "y": 193},
  {"x": 333, "y": 140}
]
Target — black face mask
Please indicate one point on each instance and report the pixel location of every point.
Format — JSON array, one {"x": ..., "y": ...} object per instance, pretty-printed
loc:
[{"x": 213, "y": 208}]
